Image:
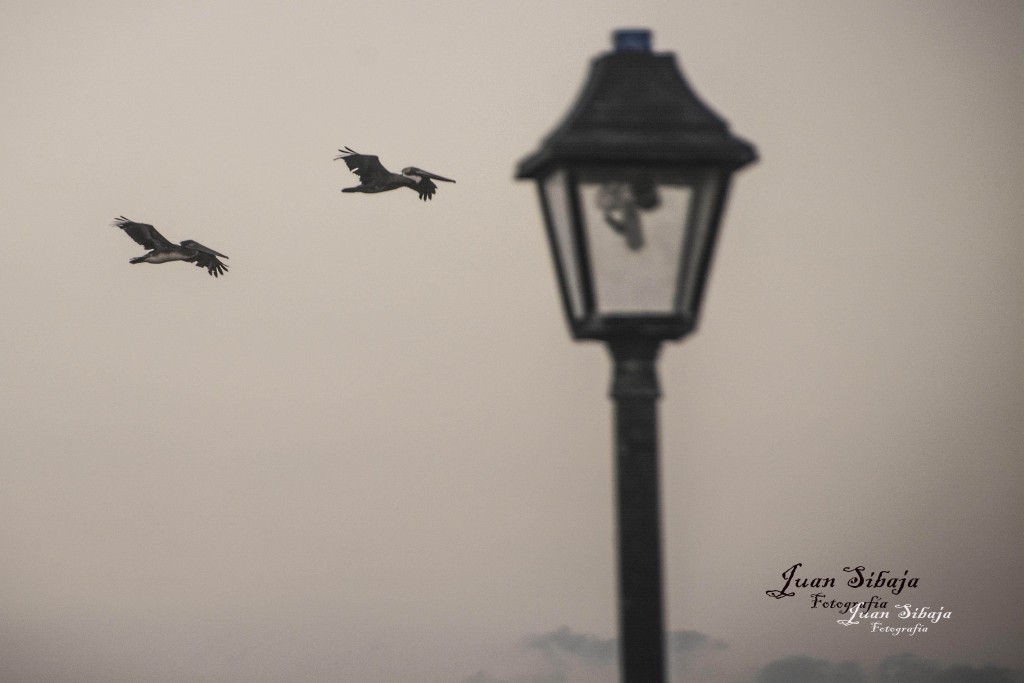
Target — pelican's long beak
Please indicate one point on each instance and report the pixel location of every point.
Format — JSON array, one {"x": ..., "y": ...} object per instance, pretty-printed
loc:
[{"x": 434, "y": 176}]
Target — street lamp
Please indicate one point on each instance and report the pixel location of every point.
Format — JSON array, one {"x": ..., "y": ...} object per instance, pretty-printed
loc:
[{"x": 632, "y": 185}]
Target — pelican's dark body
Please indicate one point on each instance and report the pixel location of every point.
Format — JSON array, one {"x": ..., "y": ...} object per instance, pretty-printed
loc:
[
  {"x": 373, "y": 177},
  {"x": 162, "y": 250}
]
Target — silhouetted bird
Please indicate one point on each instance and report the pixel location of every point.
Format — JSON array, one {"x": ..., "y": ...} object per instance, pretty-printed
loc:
[
  {"x": 163, "y": 250},
  {"x": 373, "y": 177}
]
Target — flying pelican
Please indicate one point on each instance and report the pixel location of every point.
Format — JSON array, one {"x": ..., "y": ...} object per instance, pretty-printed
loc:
[
  {"x": 163, "y": 250},
  {"x": 373, "y": 177}
]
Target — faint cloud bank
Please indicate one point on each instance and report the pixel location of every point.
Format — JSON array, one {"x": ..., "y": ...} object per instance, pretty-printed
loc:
[
  {"x": 905, "y": 668},
  {"x": 565, "y": 655},
  {"x": 568, "y": 656}
]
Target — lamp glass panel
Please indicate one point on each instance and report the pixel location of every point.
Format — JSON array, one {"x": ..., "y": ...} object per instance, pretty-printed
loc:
[
  {"x": 636, "y": 223},
  {"x": 701, "y": 236},
  {"x": 560, "y": 221}
]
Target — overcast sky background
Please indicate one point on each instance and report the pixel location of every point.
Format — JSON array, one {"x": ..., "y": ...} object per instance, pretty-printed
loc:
[{"x": 371, "y": 452}]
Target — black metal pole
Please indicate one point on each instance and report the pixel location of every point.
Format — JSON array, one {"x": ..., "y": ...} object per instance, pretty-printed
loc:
[{"x": 641, "y": 622}]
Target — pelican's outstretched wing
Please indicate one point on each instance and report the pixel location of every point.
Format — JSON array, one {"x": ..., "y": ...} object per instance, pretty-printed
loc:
[
  {"x": 366, "y": 166},
  {"x": 206, "y": 258},
  {"x": 425, "y": 188},
  {"x": 143, "y": 233}
]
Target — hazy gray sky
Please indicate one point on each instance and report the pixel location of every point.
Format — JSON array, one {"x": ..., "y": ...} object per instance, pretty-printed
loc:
[{"x": 370, "y": 452}]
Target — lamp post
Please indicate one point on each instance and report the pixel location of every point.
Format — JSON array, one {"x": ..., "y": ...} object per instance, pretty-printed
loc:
[{"x": 632, "y": 185}]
